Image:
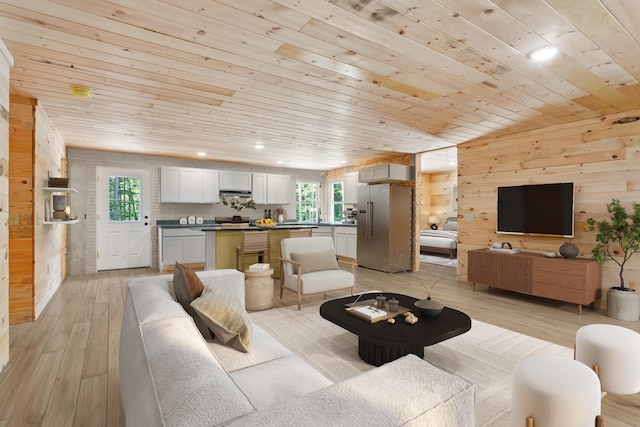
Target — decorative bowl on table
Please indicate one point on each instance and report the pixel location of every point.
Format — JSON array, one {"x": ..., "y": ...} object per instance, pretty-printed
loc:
[
  {"x": 428, "y": 307},
  {"x": 266, "y": 223}
]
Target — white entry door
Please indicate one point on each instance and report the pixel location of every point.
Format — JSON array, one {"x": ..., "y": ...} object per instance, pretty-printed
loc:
[{"x": 123, "y": 226}]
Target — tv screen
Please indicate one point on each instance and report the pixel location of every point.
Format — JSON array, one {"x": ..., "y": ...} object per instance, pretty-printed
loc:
[{"x": 536, "y": 209}]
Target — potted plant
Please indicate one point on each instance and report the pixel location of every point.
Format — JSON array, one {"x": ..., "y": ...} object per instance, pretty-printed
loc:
[
  {"x": 618, "y": 239},
  {"x": 237, "y": 204}
]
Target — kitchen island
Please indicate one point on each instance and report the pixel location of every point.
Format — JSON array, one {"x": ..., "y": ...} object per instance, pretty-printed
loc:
[{"x": 221, "y": 243}]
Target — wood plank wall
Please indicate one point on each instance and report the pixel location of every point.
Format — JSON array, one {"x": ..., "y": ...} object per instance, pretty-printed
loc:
[
  {"x": 21, "y": 232},
  {"x": 436, "y": 197},
  {"x": 6, "y": 61},
  {"x": 601, "y": 158},
  {"x": 37, "y": 251}
]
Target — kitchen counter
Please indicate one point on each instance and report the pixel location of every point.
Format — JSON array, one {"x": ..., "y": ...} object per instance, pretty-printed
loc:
[{"x": 282, "y": 226}]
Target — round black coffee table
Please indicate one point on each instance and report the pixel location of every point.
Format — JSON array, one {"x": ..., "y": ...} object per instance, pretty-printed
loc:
[{"x": 381, "y": 342}]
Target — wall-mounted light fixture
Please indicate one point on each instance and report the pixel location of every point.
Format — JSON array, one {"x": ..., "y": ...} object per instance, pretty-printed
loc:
[{"x": 434, "y": 220}]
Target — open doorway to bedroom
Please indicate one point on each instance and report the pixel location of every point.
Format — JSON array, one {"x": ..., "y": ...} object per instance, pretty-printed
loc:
[{"x": 439, "y": 206}]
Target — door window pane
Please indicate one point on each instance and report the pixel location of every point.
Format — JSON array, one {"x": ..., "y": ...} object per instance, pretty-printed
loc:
[{"x": 124, "y": 198}]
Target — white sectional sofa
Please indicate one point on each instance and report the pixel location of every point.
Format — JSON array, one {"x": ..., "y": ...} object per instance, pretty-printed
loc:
[{"x": 171, "y": 376}]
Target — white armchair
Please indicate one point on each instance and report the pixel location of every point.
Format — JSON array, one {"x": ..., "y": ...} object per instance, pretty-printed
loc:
[{"x": 309, "y": 265}]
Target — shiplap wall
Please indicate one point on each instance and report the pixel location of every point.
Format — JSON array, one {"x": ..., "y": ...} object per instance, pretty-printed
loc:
[
  {"x": 600, "y": 157},
  {"x": 6, "y": 61}
]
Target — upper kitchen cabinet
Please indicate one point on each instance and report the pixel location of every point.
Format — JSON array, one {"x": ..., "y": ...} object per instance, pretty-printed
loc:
[
  {"x": 350, "y": 191},
  {"x": 259, "y": 188},
  {"x": 278, "y": 189},
  {"x": 188, "y": 185},
  {"x": 270, "y": 188},
  {"x": 385, "y": 173},
  {"x": 236, "y": 181}
]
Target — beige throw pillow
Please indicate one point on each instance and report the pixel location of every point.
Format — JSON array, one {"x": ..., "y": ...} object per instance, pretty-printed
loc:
[
  {"x": 187, "y": 287},
  {"x": 316, "y": 261},
  {"x": 224, "y": 314}
]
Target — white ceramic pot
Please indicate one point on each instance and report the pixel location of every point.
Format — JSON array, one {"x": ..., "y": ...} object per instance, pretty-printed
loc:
[{"x": 623, "y": 305}]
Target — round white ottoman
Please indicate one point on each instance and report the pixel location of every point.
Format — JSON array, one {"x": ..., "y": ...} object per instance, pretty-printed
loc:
[
  {"x": 614, "y": 352},
  {"x": 556, "y": 392}
]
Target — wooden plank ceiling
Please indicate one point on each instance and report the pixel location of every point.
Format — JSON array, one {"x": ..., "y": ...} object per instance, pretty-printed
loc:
[{"x": 322, "y": 84}]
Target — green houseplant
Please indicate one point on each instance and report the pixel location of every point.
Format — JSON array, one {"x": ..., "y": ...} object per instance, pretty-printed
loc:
[
  {"x": 237, "y": 204},
  {"x": 618, "y": 238}
]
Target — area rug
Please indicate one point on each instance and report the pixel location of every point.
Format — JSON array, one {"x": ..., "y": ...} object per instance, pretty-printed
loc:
[
  {"x": 439, "y": 260},
  {"x": 486, "y": 355}
]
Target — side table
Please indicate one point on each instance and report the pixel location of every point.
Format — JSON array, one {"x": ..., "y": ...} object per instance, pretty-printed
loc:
[{"x": 258, "y": 290}]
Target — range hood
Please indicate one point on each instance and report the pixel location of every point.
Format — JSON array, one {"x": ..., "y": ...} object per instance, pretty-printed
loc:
[{"x": 229, "y": 194}]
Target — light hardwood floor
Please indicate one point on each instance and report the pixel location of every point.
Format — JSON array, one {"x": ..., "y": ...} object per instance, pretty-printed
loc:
[{"x": 64, "y": 367}]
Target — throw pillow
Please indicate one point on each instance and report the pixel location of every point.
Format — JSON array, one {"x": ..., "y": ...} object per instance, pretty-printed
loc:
[
  {"x": 316, "y": 261},
  {"x": 224, "y": 314},
  {"x": 187, "y": 287}
]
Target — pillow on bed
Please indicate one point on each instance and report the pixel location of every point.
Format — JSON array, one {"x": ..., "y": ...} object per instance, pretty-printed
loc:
[{"x": 450, "y": 226}]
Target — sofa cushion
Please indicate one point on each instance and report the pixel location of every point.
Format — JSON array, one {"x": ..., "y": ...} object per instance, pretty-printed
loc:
[
  {"x": 278, "y": 381},
  {"x": 318, "y": 281},
  {"x": 191, "y": 388},
  {"x": 263, "y": 349},
  {"x": 316, "y": 260},
  {"x": 187, "y": 287},
  {"x": 224, "y": 315}
]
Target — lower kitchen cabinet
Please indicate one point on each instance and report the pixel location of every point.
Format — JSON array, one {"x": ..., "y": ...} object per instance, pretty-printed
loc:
[
  {"x": 346, "y": 241},
  {"x": 183, "y": 245}
]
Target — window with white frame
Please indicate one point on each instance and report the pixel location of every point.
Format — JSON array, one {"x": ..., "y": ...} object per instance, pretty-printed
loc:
[
  {"x": 336, "y": 204},
  {"x": 307, "y": 209}
]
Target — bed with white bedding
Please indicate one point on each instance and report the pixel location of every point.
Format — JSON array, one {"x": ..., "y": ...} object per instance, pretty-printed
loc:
[{"x": 443, "y": 241}]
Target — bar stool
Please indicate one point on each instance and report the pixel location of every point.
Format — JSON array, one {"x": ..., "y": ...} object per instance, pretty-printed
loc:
[
  {"x": 555, "y": 391},
  {"x": 254, "y": 243},
  {"x": 299, "y": 232},
  {"x": 614, "y": 354}
]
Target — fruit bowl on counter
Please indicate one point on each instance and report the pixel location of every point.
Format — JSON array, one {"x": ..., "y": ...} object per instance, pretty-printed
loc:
[{"x": 266, "y": 223}]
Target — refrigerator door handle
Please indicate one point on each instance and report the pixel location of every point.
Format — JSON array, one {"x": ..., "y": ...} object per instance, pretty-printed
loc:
[{"x": 370, "y": 220}]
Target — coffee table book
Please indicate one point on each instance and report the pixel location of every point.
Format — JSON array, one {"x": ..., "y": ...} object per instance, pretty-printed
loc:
[{"x": 373, "y": 314}]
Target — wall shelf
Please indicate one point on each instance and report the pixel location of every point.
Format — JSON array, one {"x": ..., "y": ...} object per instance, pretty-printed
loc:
[
  {"x": 58, "y": 190},
  {"x": 61, "y": 189},
  {"x": 71, "y": 221}
]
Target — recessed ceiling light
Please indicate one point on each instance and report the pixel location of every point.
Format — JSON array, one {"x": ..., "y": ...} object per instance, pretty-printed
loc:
[
  {"x": 258, "y": 146},
  {"x": 343, "y": 161},
  {"x": 544, "y": 52},
  {"x": 201, "y": 154},
  {"x": 279, "y": 162}
]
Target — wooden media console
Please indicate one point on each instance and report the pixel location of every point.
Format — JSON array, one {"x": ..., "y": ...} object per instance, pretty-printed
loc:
[{"x": 576, "y": 280}]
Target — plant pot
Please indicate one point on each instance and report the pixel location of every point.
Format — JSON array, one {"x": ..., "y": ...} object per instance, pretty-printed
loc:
[{"x": 623, "y": 305}]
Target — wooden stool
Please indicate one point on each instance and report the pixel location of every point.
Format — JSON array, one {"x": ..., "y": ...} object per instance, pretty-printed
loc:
[{"x": 258, "y": 290}]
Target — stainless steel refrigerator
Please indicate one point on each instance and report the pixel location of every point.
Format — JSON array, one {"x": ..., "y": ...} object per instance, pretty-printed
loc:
[{"x": 384, "y": 227}]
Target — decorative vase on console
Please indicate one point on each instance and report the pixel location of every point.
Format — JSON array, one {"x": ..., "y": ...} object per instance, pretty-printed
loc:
[{"x": 569, "y": 250}]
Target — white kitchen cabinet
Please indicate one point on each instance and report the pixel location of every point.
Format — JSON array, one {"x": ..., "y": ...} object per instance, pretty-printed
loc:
[
  {"x": 346, "y": 241},
  {"x": 188, "y": 185},
  {"x": 322, "y": 231},
  {"x": 183, "y": 245},
  {"x": 259, "y": 188},
  {"x": 235, "y": 180},
  {"x": 350, "y": 190},
  {"x": 385, "y": 173},
  {"x": 278, "y": 187}
]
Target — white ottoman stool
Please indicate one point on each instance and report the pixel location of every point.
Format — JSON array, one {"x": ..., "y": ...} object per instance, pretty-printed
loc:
[
  {"x": 555, "y": 391},
  {"x": 614, "y": 353}
]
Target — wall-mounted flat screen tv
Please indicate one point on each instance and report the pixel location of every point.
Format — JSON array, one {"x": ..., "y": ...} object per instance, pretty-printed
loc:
[{"x": 536, "y": 209}]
